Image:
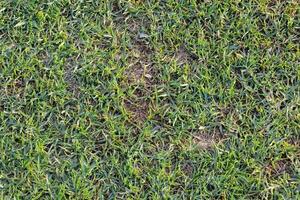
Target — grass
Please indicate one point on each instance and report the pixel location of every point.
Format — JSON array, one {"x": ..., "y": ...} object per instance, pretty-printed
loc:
[{"x": 149, "y": 99}]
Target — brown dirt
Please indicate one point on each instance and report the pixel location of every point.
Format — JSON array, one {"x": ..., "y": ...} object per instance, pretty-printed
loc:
[
  {"x": 277, "y": 168},
  {"x": 70, "y": 77},
  {"x": 206, "y": 140},
  {"x": 14, "y": 88},
  {"x": 138, "y": 110},
  {"x": 182, "y": 56},
  {"x": 141, "y": 71}
]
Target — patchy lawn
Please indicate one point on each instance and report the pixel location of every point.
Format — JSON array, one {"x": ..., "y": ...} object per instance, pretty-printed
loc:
[{"x": 149, "y": 99}]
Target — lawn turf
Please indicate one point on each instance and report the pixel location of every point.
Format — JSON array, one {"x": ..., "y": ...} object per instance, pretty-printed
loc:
[{"x": 149, "y": 99}]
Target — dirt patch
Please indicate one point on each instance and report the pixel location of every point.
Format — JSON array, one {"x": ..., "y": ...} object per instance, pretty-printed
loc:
[
  {"x": 141, "y": 69},
  {"x": 206, "y": 140},
  {"x": 183, "y": 56},
  {"x": 70, "y": 77},
  {"x": 14, "y": 88},
  {"x": 188, "y": 168},
  {"x": 295, "y": 142},
  {"x": 139, "y": 73},
  {"x": 136, "y": 73},
  {"x": 138, "y": 110},
  {"x": 138, "y": 78},
  {"x": 278, "y": 168}
]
